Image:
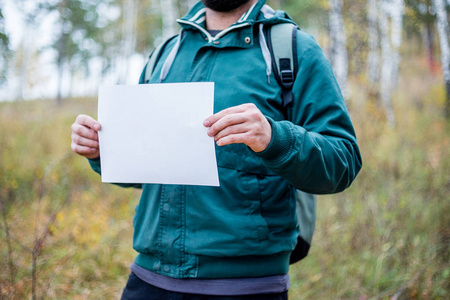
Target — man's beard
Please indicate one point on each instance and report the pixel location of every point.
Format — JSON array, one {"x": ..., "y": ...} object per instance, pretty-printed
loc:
[{"x": 224, "y": 5}]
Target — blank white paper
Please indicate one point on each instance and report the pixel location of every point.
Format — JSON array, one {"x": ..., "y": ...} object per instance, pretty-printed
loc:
[{"x": 154, "y": 133}]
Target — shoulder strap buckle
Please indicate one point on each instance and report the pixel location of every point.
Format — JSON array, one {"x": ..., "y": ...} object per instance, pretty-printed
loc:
[
  {"x": 287, "y": 78},
  {"x": 282, "y": 44}
]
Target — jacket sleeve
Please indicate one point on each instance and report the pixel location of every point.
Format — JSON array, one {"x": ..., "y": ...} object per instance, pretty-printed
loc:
[
  {"x": 96, "y": 166},
  {"x": 316, "y": 151}
]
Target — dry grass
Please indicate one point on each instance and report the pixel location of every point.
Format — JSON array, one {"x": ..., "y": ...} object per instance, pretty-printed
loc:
[{"x": 386, "y": 237}]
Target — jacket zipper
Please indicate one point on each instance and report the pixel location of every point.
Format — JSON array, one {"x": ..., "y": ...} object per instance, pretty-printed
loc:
[{"x": 208, "y": 35}]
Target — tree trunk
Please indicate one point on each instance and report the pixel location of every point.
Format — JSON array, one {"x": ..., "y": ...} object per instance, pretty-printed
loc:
[
  {"x": 443, "y": 31},
  {"x": 129, "y": 38},
  {"x": 4, "y": 53},
  {"x": 429, "y": 45},
  {"x": 186, "y": 5},
  {"x": 397, "y": 9},
  {"x": 169, "y": 13},
  {"x": 387, "y": 62},
  {"x": 338, "y": 58},
  {"x": 373, "y": 61},
  {"x": 23, "y": 75},
  {"x": 61, "y": 52},
  {"x": 70, "y": 80},
  {"x": 191, "y": 3},
  {"x": 60, "y": 72}
]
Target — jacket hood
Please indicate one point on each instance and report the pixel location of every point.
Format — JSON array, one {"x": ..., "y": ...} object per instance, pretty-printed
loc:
[{"x": 259, "y": 14}]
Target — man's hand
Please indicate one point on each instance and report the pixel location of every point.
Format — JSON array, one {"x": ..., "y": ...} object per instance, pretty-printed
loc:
[
  {"x": 240, "y": 124},
  {"x": 85, "y": 136}
]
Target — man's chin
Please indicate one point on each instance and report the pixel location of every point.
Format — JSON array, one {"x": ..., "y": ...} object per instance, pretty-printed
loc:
[{"x": 224, "y": 5}]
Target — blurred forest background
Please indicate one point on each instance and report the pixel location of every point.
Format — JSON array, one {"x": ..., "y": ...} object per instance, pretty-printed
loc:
[{"x": 65, "y": 235}]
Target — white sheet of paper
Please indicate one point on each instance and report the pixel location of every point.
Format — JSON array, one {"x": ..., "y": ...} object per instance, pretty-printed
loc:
[{"x": 154, "y": 133}]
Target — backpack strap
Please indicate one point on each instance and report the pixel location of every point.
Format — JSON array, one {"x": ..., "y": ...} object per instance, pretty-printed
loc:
[
  {"x": 282, "y": 43},
  {"x": 153, "y": 59}
]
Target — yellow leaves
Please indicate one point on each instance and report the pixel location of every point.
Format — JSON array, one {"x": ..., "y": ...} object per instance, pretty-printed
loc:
[
  {"x": 35, "y": 182},
  {"x": 11, "y": 183},
  {"x": 14, "y": 184},
  {"x": 124, "y": 209},
  {"x": 436, "y": 95},
  {"x": 86, "y": 196},
  {"x": 439, "y": 151},
  {"x": 316, "y": 277},
  {"x": 54, "y": 177},
  {"x": 60, "y": 216},
  {"x": 86, "y": 221},
  {"x": 39, "y": 174}
]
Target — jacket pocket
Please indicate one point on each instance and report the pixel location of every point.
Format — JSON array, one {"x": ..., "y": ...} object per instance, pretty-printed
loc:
[
  {"x": 147, "y": 221},
  {"x": 226, "y": 220},
  {"x": 278, "y": 209}
]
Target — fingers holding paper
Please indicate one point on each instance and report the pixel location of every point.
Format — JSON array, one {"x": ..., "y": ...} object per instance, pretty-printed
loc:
[
  {"x": 85, "y": 137},
  {"x": 240, "y": 124}
]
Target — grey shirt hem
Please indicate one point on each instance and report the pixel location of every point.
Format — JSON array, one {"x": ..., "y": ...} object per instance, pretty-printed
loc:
[{"x": 215, "y": 287}]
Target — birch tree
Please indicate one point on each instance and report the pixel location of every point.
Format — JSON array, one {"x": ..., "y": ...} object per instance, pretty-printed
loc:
[
  {"x": 428, "y": 32},
  {"x": 77, "y": 36},
  {"x": 338, "y": 57},
  {"x": 169, "y": 14},
  {"x": 186, "y": 5},
  {"x": 129, "y": 15},
  {"x": 61, "y": 48},
  {"x": 4, "y": 49},
  {"x": 387, "y": 62},
  {"x": 390, "y": 22},
  {"x": 189, "y": 3},
  {"x": 421, "y": 20},
  {"x": 373, "y": 61},
  {"x": 397, "y": 9},
  {"x": 443, "y": 31},
  {"x": 428, "y": 37}
]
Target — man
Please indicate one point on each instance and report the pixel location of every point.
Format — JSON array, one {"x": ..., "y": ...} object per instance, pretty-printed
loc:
[{"x": 234, "y": 241}]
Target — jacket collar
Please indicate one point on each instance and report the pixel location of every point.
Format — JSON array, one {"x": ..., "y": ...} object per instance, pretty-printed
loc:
[
  {"x": 196, "y": 19},
  {"x": 197, "y": 14}
]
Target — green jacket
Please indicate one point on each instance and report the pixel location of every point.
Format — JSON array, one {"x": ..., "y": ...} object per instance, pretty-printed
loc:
[{"x": 247, "y": 226}]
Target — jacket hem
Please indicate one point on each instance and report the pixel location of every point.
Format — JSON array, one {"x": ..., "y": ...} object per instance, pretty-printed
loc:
[{"x": 224, "y": 267}]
